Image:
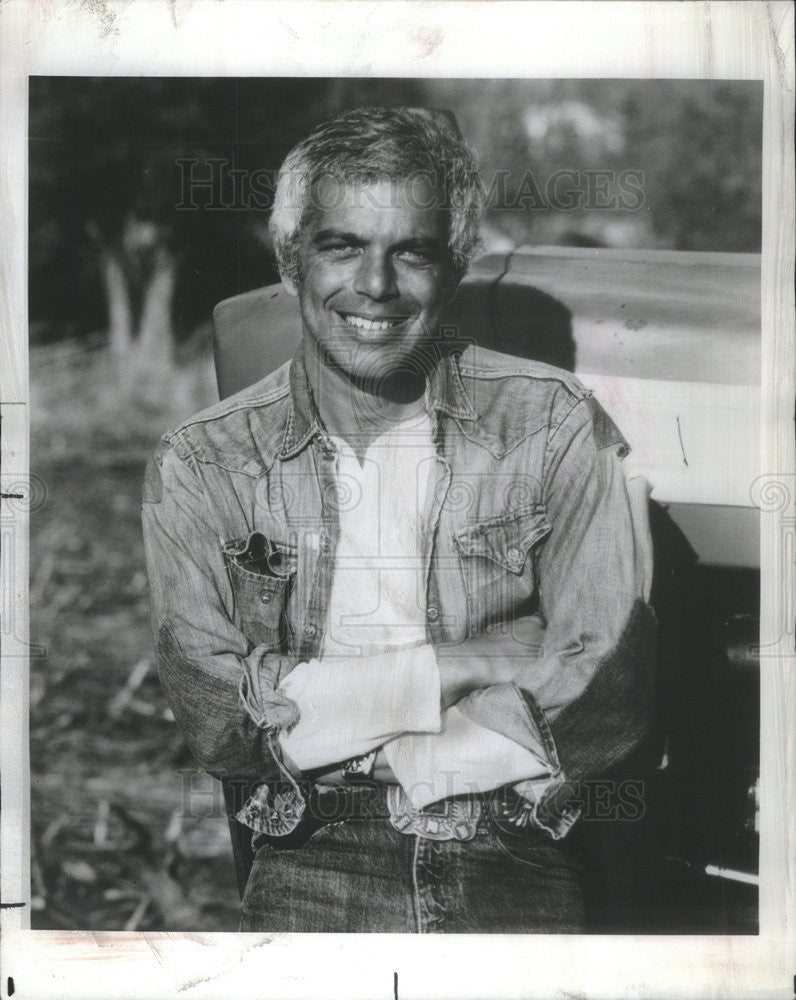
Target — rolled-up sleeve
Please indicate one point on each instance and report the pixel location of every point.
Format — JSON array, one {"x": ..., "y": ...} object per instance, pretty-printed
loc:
[
  {"x": 589, "y": 693},
  {"x": 202, "y": 656}
]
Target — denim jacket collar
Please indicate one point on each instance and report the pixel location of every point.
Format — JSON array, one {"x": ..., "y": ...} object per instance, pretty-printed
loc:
[
  {"x": 303, "y": 421},
  {"x": 445, "y": 393}
]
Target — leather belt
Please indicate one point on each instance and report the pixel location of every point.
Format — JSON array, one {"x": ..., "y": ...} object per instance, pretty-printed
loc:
[{"x": 455, "y": 818}]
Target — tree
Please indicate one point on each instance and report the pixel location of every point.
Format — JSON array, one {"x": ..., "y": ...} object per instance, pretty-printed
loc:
[{"x": 115, "y": 242}]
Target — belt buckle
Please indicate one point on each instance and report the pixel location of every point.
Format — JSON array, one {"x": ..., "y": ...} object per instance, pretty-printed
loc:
[{"x": 458, "y": 821}]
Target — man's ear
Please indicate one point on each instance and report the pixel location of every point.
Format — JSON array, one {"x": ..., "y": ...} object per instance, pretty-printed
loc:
[{"x": 289, "y": 285}]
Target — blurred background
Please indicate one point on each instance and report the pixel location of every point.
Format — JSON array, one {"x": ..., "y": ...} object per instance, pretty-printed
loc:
[{"x": 149, "y": 202}]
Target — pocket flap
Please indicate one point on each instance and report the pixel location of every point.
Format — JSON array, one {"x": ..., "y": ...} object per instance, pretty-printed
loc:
[
  {"x": 505, "y": 539},
  {"x": 259, "y": 556}
]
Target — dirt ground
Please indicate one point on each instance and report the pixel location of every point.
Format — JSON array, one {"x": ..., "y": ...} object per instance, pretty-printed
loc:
[{"x": 126, "y": 832}]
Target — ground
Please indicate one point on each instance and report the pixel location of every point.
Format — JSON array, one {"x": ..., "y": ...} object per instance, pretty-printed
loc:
[{"x": 126, "y": 832}]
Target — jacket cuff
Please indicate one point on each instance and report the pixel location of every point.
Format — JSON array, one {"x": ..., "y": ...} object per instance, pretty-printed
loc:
[
  {"x": 267, "y": 707},
  {"x": 549, "y": 802}
]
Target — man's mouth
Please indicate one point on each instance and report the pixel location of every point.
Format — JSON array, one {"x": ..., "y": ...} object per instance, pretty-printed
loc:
[{"x": 372, "y": 324}]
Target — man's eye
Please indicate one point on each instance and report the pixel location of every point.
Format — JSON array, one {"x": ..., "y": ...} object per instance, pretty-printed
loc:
[
  {"x": 340, "y": 249},
  {"x": 418, "y": 257}
]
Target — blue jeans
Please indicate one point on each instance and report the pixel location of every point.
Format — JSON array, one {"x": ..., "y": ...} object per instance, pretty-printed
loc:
[{"x": 362, "y": 875}]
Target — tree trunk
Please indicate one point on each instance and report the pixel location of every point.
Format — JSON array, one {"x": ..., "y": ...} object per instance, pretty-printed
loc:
[
  {"x": 120, "y": 311},
  {"x": 155, "y": 327}
]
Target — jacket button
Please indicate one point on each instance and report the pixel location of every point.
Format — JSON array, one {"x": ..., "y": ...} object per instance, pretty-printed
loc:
[
  {"x": 432, "y": 613},
  {"x": 514, "y": 555},
  {"x": 266, "y": 597},
  {"x": 326, "y": 543},
  {"x": 309, "y": 631}
]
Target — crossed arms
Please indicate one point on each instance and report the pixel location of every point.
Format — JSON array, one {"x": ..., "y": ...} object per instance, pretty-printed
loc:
[{"x": 585, "y": 698}]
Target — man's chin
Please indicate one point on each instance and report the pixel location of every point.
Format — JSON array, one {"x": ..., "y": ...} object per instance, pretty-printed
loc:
[{"x": 376, "y": 369}]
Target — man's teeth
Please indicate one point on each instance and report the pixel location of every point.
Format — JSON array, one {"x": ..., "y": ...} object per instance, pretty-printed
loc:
[{"x": 370, "y": 324}]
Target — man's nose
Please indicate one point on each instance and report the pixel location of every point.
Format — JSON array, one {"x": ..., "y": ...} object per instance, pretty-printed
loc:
[{"x": 375, "y": 277}]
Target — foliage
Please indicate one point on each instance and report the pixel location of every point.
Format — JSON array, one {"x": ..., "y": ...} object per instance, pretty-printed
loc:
[
  {"x": 125, "y": 832},
  {"x": 106, "y": 179}
]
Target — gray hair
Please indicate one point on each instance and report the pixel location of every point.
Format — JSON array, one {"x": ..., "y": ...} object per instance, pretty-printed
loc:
[{"x": 370, "y": 144}]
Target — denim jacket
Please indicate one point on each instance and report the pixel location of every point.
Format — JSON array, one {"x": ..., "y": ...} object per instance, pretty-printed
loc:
[{"x": 530, "y": 535}]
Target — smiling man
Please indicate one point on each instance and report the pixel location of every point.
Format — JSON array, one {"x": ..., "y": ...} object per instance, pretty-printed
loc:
[
  {"x": 398, "y": 584},
  {"x": 374, "y": 272}
]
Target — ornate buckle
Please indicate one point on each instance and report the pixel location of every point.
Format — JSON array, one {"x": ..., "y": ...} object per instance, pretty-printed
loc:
[
  {"x": 276, "y": 813},
  {"x": 459, "y": 821}
]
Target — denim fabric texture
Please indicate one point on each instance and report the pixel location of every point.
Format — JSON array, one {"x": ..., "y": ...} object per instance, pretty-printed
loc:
[
  {"x": 362, "y": 876},
  {"x": 529, "y": 521}
]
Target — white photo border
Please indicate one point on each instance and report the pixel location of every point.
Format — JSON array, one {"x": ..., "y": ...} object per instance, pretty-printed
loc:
[{"x": 457, "y": 38}]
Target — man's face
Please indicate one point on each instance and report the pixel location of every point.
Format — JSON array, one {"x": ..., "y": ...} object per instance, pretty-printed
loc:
[{"x": 374, "y": 274}]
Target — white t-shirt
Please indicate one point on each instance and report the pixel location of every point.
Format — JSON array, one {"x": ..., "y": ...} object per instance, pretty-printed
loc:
[{"x": 378, "y": 591}]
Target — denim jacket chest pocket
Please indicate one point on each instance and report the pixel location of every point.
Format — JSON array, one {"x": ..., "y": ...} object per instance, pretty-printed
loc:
[
  {"x": 497, "y": 561},
  {"x": 261, "y": 574}
]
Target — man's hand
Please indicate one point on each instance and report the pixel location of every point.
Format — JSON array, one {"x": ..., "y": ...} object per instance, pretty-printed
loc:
[{"x": 488, "y": 659}]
